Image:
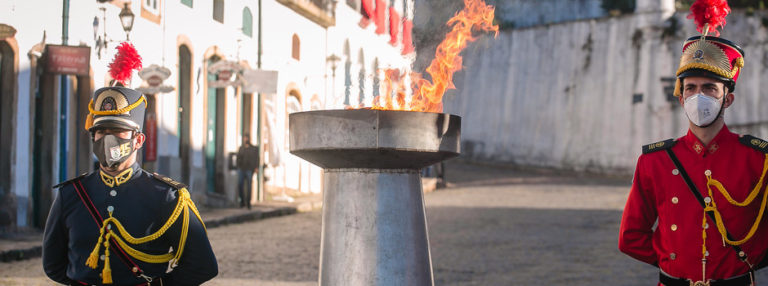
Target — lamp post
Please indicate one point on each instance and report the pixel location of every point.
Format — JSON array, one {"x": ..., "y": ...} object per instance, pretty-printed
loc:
[
  {"x": 101, "y": 41},
  {"x": 126, "y": 19},
  {"x": 333, "y": 59}
]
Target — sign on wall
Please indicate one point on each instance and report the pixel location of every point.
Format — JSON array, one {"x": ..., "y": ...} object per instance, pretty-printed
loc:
[
  {"x": 259, "y": 81},
  {"x": 154, "y": 76},
  {"x": 226, "y": 74},
  {"x": 72, "y": 60}
]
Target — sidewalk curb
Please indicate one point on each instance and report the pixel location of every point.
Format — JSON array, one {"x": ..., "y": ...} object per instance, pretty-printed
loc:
[
  {"x": 265, "y": 212},
  {"x": 250, "y": 216},
  {"x": 21, "y": 254}
]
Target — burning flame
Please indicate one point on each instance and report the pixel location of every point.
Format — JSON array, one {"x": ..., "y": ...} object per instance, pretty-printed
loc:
[{"x": 428, "y": 96}]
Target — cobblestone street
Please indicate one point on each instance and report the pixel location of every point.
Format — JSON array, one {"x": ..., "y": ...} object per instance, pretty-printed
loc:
[{"x": 492, "y": 226}]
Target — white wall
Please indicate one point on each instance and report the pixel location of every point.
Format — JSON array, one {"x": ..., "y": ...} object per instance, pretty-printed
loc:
[{"x": 561, "y": 95}]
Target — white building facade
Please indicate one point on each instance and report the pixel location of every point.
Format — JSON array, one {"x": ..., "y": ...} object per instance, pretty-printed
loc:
[{"x": 321, "y": 51}]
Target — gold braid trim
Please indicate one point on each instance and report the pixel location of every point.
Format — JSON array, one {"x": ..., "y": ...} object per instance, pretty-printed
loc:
[
  {"x": 752, "y": 195},
  {"x": 117, "y": 111},
  {"x": 116, "y": 180},
  {"x": 719, "y": 71},
  {"x": 89, "y": 118},
  {"x": 183, "y": 205}
]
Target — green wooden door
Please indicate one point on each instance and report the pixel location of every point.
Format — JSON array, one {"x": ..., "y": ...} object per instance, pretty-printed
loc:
[{"x": 210, "y": 130}]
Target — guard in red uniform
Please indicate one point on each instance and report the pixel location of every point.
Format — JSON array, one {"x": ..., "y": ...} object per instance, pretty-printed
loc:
[{"x": 697, "y": 203}]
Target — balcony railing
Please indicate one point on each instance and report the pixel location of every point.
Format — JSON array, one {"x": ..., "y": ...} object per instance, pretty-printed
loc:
[{"x": 318, "y": 11}]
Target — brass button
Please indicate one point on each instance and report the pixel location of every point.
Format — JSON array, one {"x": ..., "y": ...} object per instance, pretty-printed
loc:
[
  {"x": 674, "y": 200},
  {"x": 672, "y": 256},
  {"x": 675, "y": 172},
  {"x": 113, "y": 193},
  {"x": 135, "y": 269},
  {"x": 707, "y": 200},
  {"x": 706, "y": 225},
  {"x": 110, "y": 208},
  {"x": 742, "y": 254},
  {"x": 708, "y": 173},
  {"x": 102, "y": 257},
  {"x": 674, "y": 227}
]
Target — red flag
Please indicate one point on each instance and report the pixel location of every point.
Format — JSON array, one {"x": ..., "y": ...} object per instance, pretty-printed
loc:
[
  {"x": 380, "y": 16},
  {"x": 367, "y": 11},
  {"x": 394, "y": 26},
  {"x": 407, "y": 41}
]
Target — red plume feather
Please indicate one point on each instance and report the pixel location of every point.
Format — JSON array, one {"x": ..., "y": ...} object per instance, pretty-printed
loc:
[
  {"x": 709, "y": 12},
  {"x": 126, "y": 60}
]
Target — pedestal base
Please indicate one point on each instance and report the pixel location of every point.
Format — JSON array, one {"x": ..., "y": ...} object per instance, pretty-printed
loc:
[{"x": 374, "y": 229}]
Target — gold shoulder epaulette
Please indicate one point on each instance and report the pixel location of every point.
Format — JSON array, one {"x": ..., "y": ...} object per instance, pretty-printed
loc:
[
  {"x": 754, "y": 142},
  {"x": 70, "y": 180},
  {"x": 169, "y": 181},
  {"x": 661, "y": 145}
]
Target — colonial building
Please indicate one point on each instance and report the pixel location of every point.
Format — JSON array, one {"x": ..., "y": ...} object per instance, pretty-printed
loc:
[{"x": 213, "y": 71}]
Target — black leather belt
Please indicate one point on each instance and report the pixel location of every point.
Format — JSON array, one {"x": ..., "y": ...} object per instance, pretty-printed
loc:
[
  {"x": 741, "y": 280},
  {"x": 155, "y": 282}
]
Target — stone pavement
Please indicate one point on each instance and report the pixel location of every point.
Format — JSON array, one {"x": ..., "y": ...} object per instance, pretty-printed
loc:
[
  {"x": 494, "y": 225},
  {"x": 28, "y": 244}
]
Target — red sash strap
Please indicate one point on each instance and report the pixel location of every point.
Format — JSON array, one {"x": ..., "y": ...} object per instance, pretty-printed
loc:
[{"x": 135, "y": 269}]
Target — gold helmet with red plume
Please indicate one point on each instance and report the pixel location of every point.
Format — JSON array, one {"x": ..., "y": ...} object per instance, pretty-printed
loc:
[
  {"x": 117, "y": 106},
  {"x": 710, "y": 56}
]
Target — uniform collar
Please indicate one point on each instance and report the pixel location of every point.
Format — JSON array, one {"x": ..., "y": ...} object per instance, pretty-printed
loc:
[
  {"x": 694, "y": 144},
  {"x": 121, "y": 178}
]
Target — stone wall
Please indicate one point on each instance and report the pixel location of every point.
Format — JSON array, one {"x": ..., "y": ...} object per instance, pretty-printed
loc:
[{"x": 586, "y": 95}]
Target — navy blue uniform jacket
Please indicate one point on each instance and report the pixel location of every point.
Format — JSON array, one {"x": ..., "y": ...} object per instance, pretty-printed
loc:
[{"x": 142, "y": 205}]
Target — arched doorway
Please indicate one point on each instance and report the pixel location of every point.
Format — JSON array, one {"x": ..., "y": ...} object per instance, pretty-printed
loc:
[
  {"x": 215, "y": 129},
  {"x": 185, "y": 108},
  {"x": 293, "y": 172}
]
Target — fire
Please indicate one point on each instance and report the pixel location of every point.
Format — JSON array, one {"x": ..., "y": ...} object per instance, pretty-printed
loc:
[{"x": 428, "y": 96}]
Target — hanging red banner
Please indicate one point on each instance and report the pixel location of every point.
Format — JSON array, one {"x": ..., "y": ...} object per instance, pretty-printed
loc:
[
  {"x": 367, "y": 11},
  {"x": 394, "y": 25},
  {"x": 407, "y": 41},
  {"x": 380, "y": 17}
]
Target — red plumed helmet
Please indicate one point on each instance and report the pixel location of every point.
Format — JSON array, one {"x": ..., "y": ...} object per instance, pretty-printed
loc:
[
  {"x": 126, "y": 60},
  {"x": 710, "y": 15}
]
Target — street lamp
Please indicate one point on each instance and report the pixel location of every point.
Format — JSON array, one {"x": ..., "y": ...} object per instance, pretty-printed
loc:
[
  {"x": 333, "y": 59},
  {"x": 126, "y": 19}
]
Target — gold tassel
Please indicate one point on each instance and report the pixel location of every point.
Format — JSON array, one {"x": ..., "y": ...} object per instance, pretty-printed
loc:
[
  {"x": 106, "y": 274},
  {"x": 93, "y": 259},
  {"x": 89, "y": 121},
  {"x": 677, "y": 92}
]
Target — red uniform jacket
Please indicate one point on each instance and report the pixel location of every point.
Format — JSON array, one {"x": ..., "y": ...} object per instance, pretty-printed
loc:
[{"x": 660, "y": 193}]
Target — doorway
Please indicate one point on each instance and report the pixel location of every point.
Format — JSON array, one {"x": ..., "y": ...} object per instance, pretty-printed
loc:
[
  {"x": 8, "y": 84},
  {"x": 215, "y": 130},
  {"x": 185, "y": 108}
]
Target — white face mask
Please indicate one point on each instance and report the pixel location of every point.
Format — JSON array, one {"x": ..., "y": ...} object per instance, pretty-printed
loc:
[{"x": 702, "y": 110}]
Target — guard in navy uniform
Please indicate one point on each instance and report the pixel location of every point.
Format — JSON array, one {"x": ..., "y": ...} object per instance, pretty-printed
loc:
[{"x": 122, "y": 225}]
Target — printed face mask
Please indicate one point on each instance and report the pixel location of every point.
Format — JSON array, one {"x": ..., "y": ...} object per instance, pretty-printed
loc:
[
  {"x": 112, "y": 150},
  {"x": 702, "y": 110}
]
